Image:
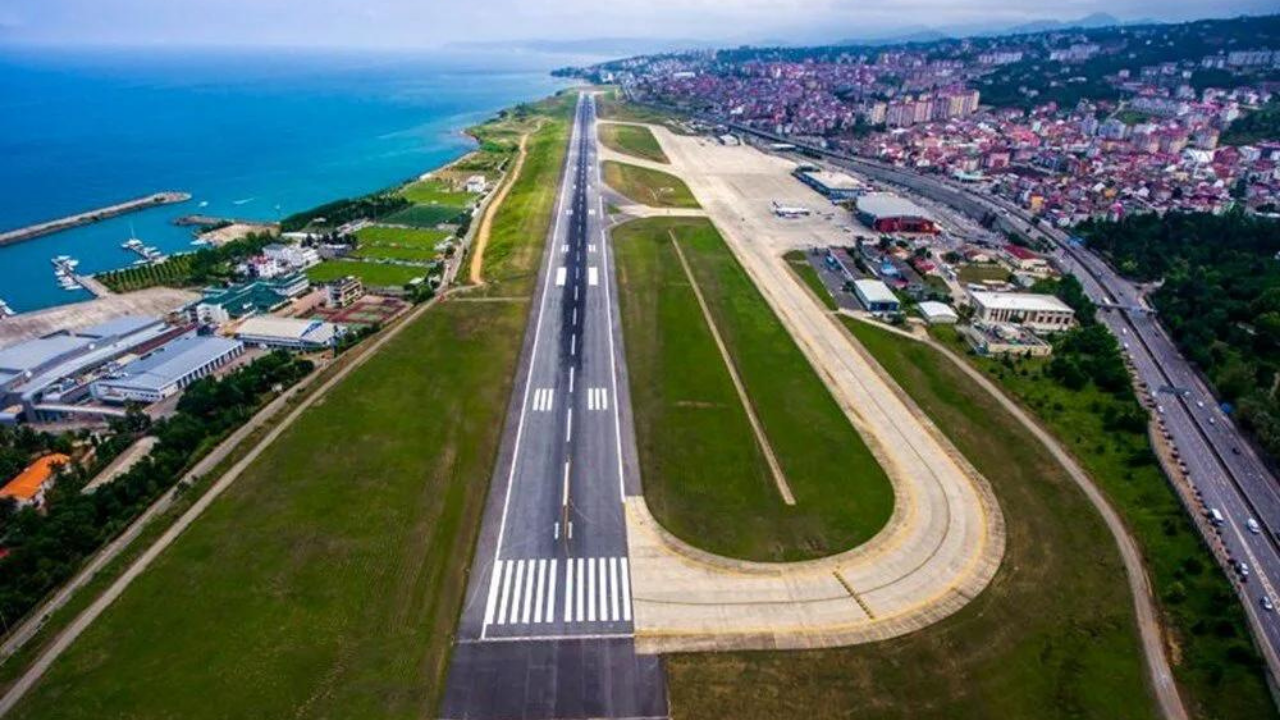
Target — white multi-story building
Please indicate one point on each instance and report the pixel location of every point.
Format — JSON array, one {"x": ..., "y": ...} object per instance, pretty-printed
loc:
[{"x": 1041, "y": 313}]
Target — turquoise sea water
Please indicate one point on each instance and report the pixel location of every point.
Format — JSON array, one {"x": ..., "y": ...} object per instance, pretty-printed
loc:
[{"x": 254, "y": 134}]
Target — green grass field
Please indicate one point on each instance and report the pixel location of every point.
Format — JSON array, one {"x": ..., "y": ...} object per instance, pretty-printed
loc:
[
  {"x": 510, "y": 260},
  {"x": 978, "y": 273},
  {"x": 612, "y": 107},
  {"x": 370, "y": 273},
  {"x": 1052, "y": 637},
  {"x": 412, "y": 244},
  {"x": 697, "y": 450},
  {"x": 798, "y": 261},
  {"x": 632, "y": 140},
  {"x": 1218, "y": 669},
  {"x": 425, "y": 216},
  {"x": 648, "y": 187},
  {"x": 326, "y": 582},
  {"x": 436, "y": 192}
]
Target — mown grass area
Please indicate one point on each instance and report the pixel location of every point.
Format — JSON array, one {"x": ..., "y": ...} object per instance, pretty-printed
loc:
[
  {"x": 327, "y": 581},
  {"x": 978, "y": 273},
  {"x": 1052, "y": 636},
  {"x": 612, "y": 106},
  {"x": 1215, "y": 664},
  {"x": 632, "y": 140},
  {"x": 436, "y": 192},
  {"x": 370, "y": 273},
  {"x": 510, "y": 259},
  {"x": 398, "y": 243},
  {"x": 705, "y": 476},
  {"x": 648, "y": 187},
  {"x": 798, "y": 261}
]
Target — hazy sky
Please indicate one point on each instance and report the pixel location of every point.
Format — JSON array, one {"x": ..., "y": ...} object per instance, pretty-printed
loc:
[{"x": 426, "y": 23}]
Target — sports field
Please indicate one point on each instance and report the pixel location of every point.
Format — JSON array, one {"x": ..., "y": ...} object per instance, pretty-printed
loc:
[
  {"x": 370, "y": 273},
  {"x": 327, "y": 580},
  {"x": 1053, "y": 636},
  {"x": 396, "y": 243},
  {"x": 436, "y": 192},
  {"x": 705, "y": 476},
  {"x": 632, "y": 140},
  {"x": 648, "y": 187},
  {"x": 425, "y": 216}
]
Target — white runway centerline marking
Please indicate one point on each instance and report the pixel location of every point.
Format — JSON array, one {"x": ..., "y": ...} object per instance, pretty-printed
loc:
[
  {"x": 597, "y": 398},
  {"x": 591, "y": 247},
  {"x": 561, "y": 275},
  {"x": 593, "y": 276},
  {"x": 544, "y": 399}
]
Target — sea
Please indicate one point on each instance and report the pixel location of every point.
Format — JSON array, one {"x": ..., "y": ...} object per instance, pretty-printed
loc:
[{"x": 252, "y": 134}]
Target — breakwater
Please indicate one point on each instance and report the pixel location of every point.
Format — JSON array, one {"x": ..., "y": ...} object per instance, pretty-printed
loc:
[{"x": 91, "y": 216}]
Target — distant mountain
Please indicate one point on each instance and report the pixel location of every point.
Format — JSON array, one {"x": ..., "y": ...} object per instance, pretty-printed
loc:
[
  {"x": 914, "y": 34},
  {"x": 612, "y": 47}
]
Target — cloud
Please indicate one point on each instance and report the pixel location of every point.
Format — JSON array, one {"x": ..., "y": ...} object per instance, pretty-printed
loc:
[{"x": 425, "y": 23}]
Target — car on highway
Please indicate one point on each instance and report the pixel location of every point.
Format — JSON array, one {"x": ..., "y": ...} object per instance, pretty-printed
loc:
[
  {"x": 1215, "y": 517},
  {"x": 1253, "y": 526},
  {"x": 1267, "y": 604}
]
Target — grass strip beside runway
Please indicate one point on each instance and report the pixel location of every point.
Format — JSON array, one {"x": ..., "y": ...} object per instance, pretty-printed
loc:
[
  {"x": 1053, "y": 636},
  {"x": 632, "y": 140},
  {"x": 798, "y": 261},
  {"x": 705, "y": 476},
  {"x": 648, "y": 187}
]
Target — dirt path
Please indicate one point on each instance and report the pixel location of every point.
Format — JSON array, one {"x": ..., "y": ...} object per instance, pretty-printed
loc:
[
  {"x": 779, "y": 478},
  {"x": 476, "y": 274},
  {"x": 1135, "y": 571}
]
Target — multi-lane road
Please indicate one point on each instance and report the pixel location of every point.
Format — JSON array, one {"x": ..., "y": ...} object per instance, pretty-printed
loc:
[{"x": 547, "y": 628}]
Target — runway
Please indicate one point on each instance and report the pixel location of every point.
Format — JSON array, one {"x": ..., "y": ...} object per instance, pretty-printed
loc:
[{"x": 547, "y": 629}]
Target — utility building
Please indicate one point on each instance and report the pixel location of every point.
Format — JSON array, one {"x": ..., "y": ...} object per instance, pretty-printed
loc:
[
  {"x": 888, "y": 213},
  {"x": 875, "y": 296}
]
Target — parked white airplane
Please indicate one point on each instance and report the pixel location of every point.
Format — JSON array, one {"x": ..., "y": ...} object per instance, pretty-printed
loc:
[{"x": 787, "y": 211}]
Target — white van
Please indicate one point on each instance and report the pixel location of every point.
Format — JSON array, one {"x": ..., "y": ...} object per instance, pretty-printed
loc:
[{"x": 1215, "y": 517}]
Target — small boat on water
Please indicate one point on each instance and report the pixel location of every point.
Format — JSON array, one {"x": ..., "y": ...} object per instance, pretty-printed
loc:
[{"x": 5, "y": 310}]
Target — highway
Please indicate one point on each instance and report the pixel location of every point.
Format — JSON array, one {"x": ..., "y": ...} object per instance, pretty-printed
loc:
[{"x": 547, "y": 628}]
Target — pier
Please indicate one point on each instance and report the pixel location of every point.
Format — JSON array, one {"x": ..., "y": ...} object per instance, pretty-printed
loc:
[{"x": 91, "y": 216}]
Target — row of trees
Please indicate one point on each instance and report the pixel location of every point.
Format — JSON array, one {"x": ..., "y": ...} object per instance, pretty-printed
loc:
[
  {"x": 47, "y": 547},
  {"x": 205, "y": 266},
  {"x": 346, "y": 210},
  {"x": 1219, "y": 298}
]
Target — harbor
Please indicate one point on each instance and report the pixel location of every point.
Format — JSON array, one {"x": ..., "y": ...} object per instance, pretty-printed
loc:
[{"x": 92, "y": 216}]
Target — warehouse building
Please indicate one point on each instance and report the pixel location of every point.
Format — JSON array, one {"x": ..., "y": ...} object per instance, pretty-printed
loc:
[
  {"x": 937, "y": 313},
  {"x": 875, "y": 296},
  {"x": 44, "y": 378},
  {"x": 888, "y": 213},
  {"x": 167, "y": 370},
  {"x": 289, "y": 333},
  {"x": 834, "y": 185},
  {"x": 1041, "y": 313}
]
